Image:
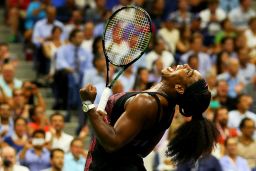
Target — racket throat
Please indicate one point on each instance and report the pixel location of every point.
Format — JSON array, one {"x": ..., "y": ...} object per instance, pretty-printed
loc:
[{"x": 116, "y": 77}]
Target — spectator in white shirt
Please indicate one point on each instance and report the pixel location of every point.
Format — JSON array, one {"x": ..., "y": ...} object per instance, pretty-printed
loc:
[
  {"x": 241, "y": 15},
  {"x": 60, "y": 139},
  {"x": 8, "y": 156},
  {"x": 246, "y": 143},
  {"x": 182, "y": 16},
  {"x": 212, "y": 16},
  {"x": 169, "y": 34},
  {"x": 8, "y": 82},
  {"x": 243, "y": 105},
  {"x": 159, "y": 51},
  {"x": 250, "y": 33},
  {"x": 43, "y": 28}
]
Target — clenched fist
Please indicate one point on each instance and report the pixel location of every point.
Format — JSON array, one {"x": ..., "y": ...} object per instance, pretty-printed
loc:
[{"x": 89, "y": 92}]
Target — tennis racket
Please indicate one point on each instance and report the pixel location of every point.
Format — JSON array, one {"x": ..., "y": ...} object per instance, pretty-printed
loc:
[{"x": 125, "y": 39}]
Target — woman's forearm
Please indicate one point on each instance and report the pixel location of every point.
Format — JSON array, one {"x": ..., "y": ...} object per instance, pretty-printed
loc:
[{"x": 104, "y": 132}]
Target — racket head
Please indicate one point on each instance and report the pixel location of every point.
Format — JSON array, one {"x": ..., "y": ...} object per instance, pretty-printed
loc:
[{"x": 127, "y": 35}]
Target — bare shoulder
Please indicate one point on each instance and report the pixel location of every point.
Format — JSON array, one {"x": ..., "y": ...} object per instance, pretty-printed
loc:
[
  {"x": 142, "y": 100},
  {"x": 143, "y": 107}
]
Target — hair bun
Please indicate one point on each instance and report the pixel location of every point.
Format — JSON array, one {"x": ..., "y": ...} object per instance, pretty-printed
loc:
[{"x": 195, "y": 100}]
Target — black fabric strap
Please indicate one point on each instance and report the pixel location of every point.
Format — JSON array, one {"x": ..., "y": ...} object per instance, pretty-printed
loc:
[{"x": 159, "y": 108}]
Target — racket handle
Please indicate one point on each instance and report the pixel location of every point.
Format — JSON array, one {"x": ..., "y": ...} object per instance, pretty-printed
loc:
[{"x": 104, "y": 99}]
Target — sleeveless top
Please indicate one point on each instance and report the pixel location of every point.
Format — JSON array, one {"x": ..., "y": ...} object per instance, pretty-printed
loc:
[{"x": 140, "y": 146}]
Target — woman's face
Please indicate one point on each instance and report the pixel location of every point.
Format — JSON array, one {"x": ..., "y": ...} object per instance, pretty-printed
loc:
[{"x": 182, "y": 74}]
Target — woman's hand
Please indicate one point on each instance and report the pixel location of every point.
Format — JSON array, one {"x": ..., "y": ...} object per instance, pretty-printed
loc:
[{"x": 89, "y": 92}]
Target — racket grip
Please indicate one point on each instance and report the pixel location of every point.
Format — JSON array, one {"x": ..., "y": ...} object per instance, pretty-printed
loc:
[{"x": 104, "y": 99}]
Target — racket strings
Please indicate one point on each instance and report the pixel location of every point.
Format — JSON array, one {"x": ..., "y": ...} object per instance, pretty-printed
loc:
[{"x": 127, "y": 36}]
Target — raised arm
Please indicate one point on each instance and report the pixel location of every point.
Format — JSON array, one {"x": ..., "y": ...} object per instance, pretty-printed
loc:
[{"x": 140, "y": 113}]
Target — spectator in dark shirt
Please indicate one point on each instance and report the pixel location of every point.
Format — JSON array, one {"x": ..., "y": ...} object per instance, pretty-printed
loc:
[
  {"x": 64, "y": 12},
  {"x": 95, "y": 14}
]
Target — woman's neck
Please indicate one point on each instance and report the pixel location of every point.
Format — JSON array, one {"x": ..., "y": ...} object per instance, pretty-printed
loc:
[{"x": 162, "y": 88}]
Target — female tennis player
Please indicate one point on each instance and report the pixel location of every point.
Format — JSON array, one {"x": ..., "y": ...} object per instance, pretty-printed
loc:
[{"x": 136, "y": 121}]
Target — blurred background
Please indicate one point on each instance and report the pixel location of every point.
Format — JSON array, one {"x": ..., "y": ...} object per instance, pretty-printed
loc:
[{"x": 49, "y": 49}]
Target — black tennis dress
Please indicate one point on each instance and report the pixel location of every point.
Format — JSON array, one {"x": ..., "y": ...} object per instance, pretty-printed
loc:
[{"x": 129, "y": 157}]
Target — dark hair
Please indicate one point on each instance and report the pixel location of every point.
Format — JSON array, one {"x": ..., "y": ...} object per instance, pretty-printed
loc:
[
  {"x": 239, "y": 97},
  {"x": 57, "y": 114},
  {"x": 242, "y": 123},
  {"x": 56, "y": 28},
  {"x": 197, "y": 137},
  {"x": 95, "y": 44},
  {"x": 219, "y": 61},
  {"x": 38, "y": 131},
  {"x": 251, "y": 20},
  {"x": 241, "y": 1},
  {"x": 20, "y": 118},
  {"x": 74, "y": 140},
  {"x": 157, "y": 41},
  {"x": 55, "y": 150},
  {"x": 73, "y": 33},
  {"x": 210, "y": 2},
  {"x": 192, "y": 56}
]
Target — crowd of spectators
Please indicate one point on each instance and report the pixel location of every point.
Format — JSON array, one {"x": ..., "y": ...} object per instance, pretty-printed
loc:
[{"x": 63, "y": 40}]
